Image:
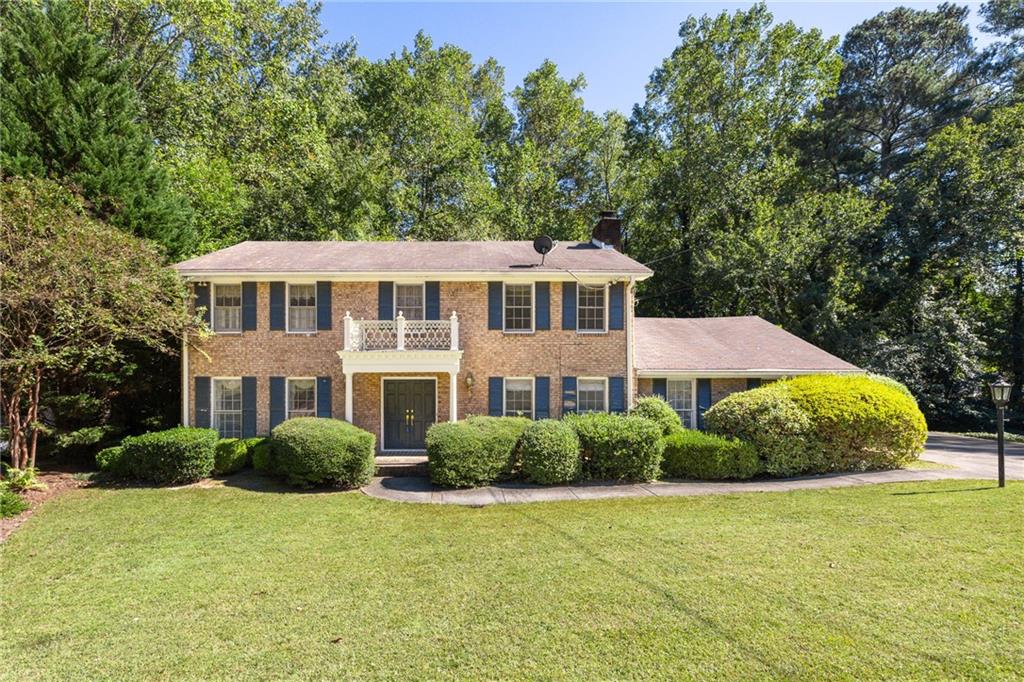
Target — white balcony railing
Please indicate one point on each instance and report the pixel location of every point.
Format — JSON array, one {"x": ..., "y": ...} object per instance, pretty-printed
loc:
[{"x": 401, "y": 334}]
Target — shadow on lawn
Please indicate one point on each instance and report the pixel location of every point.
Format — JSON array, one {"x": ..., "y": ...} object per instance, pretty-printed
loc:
[{"x": 946, "y": 490}]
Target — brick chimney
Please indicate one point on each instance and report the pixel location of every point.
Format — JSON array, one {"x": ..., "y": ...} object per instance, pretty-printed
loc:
[{"x": 608, "y": 231}]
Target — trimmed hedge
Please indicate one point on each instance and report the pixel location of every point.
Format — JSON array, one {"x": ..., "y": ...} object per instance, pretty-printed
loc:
[
  {"x": 550, "y": 452},
  {"x": 263, "y": 458},
  {"x": 617, "y": 447},
  {"x": 179, "y": 455},
  {"x": 112, "y": 461},
  {"x": 822, "y": 423},
  {"x": 475, "y": 452},
  {"x": 692, "y": 454},
  {"x": 230, "y": 455},
  {"x": 768, "y": 419},
  {"x": 659, "y": 411},
  {"x": 316, "y": 450}
]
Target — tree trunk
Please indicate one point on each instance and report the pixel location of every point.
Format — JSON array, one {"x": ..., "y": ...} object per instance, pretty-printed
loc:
[{"x": 1017, "y": 331}]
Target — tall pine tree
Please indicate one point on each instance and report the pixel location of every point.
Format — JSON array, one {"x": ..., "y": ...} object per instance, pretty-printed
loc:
[{"x": 68, "y": 114}]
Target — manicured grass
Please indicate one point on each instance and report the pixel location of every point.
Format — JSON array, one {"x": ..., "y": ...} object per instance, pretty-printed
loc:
[
  {"x": 913, "y": 580},
  {"x": 1008, "y": 436}
]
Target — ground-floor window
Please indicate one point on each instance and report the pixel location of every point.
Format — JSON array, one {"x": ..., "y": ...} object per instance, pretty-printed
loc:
[
  {"x": 591, "y": 395},
  {"x": 301, "y": 398},
  {"x": 227, "y": 407},
  {"x": 519, "y": 398},
  {"x": 680, "y": 397}
]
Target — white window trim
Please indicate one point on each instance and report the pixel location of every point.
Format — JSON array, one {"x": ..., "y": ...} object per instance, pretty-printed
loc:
[
  {"x": 288, "y": 308},
  {"x": 603, "y": 380},
  {"x": 693, "y": 400},
  {"x": 533, "y": 309},
  {"x": 213, "y": 403},
  {"x": 533, "y": 394},
  {"x": 213, "y": 308},
  {"x": 604, "y": 330},
  {"x": 394, "y": 296},
  {"x": 288, "y": 394}
]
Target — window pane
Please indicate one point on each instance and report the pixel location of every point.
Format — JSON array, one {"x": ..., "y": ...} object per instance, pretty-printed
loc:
[
  {"x": 227, "y": 307},
  {"x": 301, "y": 398},
  {"x": 590, "y": 395},
  {"x": 518, "y": 398},
  {"x": 409, "y": 301},
  {"x": 590, "y": 313},
  {"x": 519, "y": 307},
  {"x": 227, "y": 407},
  {"x": 680, "y": 397},
  {"x": 302, "y": 307}
]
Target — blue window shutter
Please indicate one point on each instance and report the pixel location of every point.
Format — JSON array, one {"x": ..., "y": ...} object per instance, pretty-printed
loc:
[
  {"x": 542, "y": 397},
  {"x": 494, "y": 291},
  {"x": 323, "y": 397},
  {"x": 202, "y": 292},
  {"x": 703, "y": 400},
  {"x": 385, "y": 300},
  {"x": 753, "y": 382},
  {"x": 569, "y": 305},
  {"x": 433, "y": 302},
  {"x": 495, "y": 399},
  {"x": 323, "y": 305},
  {"x": 202, "y": 401},
  {"x": 616, "y": 314},
  {"x": 568, "y": 395},
  {"x": 659, "y": 387},
  {"x": 248, "y": 306},
  {"x": 248, "y": 407},
  {"x": 542, "y": 291},
  {"x": 276, "y": 401},
  {"x": 617, "y": 394},
  {"x": 277, "y": 306}
]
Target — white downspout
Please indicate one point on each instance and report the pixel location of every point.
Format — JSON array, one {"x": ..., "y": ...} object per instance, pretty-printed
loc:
[
  {"x": 629, "y": 344},
  {"x": 184, "y": 380}
]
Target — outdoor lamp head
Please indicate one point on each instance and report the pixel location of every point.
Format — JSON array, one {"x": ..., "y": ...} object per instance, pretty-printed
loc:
[{"x": 1000, "y": 392}]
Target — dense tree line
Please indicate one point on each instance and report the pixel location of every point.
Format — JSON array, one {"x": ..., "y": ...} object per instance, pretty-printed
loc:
[{"x": 866, "y": 193}]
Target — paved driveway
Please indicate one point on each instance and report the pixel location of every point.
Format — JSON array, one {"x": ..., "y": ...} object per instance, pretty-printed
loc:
[{"x": 976, "y": 456}]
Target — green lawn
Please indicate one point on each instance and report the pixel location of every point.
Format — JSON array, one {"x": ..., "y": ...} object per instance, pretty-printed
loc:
[{"x": 910, "y": 580}]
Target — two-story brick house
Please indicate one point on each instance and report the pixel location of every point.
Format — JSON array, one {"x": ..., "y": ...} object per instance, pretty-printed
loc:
[{"x": 394, "y": 336}]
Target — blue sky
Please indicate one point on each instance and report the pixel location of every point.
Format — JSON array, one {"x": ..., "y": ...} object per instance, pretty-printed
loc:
[{"x": 615, "y": 45}]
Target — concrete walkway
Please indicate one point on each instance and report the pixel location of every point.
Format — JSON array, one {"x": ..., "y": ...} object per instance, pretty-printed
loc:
[{"x": 969, "y": 456}]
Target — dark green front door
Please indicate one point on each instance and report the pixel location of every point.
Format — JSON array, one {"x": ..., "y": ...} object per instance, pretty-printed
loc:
[{"x": 408, "y": 412}]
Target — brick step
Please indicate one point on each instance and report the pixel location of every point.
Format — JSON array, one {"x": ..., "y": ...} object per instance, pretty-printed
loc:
[{"x": 402, "y": 465}]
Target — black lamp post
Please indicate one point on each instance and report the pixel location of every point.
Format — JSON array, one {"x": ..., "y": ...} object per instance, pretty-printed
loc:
[{"x": 1001, "y": 397}]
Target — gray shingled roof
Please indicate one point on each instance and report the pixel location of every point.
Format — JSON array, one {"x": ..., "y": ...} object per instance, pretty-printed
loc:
[
  {"x": 726, "y": 343},
  {"x": 427, "y": 257}
]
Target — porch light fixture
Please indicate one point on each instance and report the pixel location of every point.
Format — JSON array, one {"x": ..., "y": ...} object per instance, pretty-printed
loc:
[
  {"x": 1001, "y": 397},
  {"x": 470, "y": 380}
]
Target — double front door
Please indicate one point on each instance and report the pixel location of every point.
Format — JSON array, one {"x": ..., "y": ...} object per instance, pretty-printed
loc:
[{"x": 409, "y": 409}]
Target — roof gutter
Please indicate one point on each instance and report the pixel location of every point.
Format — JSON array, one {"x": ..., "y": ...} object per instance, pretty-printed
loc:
[{"x": 766, "y": 373}]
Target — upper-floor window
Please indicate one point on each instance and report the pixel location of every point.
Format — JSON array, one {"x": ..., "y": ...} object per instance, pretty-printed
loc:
[
  {"x": 519, "y": 307},
  {"x": 680, "y": 397},
  {"x": 227, "y": 407},
  {"x": 301, "y": 398},
  {"x": 409, "y": 301},
  {"x": 302, "y": 307},
  {"x": 519, "y": 398},
  {"x": 591, "y": 308},
  {"x": 591, "y": 395},
  {"x": 227, "y": 307}
]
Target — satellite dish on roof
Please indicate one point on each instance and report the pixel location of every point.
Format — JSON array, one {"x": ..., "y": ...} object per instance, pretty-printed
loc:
[{"x": 542, "y": 245}]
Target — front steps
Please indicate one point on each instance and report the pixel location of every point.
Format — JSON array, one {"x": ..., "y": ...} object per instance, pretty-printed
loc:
[{"x": 402, "y": 465}]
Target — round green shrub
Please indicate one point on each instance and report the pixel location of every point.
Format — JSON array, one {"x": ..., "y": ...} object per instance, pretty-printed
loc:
[
  {"x": 658, "y": 411},
  {"x": 316, "y": 450},
  {"x": 617, "y": 447},
  {"x": 11, "y": 504},
  {"x": 892, "y": 383},
  {"x": 112, "y": 461},
  {"x": 692, "y": 454},
  {"x": 768, "y": 419},
  {"x": 859, "y": 422},
  {"x": 179, "y": 455},
  {"x": 550, "y": 452},
  {"x": 263, "y": 458},
  {"x": 475, "y": 452},
  {"x": 230, "y": 455}
]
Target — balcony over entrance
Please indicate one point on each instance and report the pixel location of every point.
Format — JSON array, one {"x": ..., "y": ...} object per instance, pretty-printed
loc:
[{"x": 401, "y": 334}]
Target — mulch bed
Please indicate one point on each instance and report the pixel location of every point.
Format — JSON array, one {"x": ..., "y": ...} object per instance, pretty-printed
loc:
[{"x": 57, "y": 483}]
